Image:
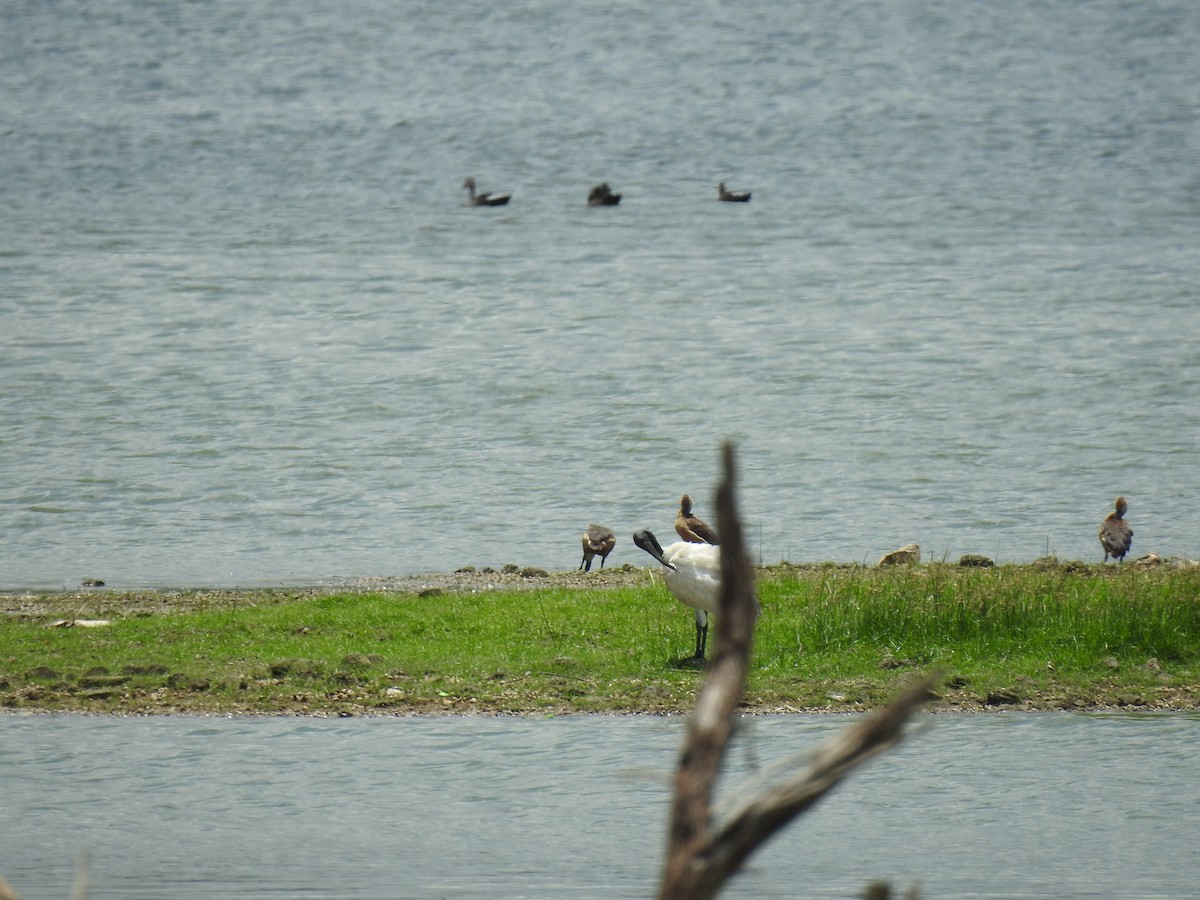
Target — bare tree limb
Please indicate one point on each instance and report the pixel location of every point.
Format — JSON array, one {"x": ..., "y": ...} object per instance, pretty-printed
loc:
[
  {"x": 702, "y": 856},
  {"x": 79, "y": 886},
  {"x": 760, "y": 816},
  {"x": 711, "y": 723}
]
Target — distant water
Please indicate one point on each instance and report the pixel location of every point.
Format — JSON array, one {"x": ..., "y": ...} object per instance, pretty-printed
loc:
[
  {"x": 986, "y": 806},
  {"x": 249, "y": 333}
]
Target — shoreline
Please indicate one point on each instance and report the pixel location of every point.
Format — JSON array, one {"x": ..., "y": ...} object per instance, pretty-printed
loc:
[
  {"x": 19, "y": 601},
  {"x": 128, "y": 687}
]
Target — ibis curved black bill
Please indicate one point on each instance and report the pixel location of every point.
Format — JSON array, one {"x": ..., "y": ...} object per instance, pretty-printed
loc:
[{"x": 648, "y": 542}]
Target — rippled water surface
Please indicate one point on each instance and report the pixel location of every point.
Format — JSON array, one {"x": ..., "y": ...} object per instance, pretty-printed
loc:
[
  {"x": 250, "y": 333},
  {"x": 984, "y": 806}
]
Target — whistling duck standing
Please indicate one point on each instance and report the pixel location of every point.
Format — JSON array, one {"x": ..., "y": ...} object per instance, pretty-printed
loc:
[
  {"x": 691, "y": 528},
  {"x": 1116, "y": 536},
  {"x": 597, "y": 541}
]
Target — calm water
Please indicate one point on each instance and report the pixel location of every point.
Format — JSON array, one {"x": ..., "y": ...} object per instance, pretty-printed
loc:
[
  {"x": 251, "y": 334},
  {"x": 996, "y": 806}
]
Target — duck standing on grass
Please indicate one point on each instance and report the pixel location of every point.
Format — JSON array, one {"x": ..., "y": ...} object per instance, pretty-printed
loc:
[
  {"x": 1116, "y": 535},
  {"x": 597, "y": 541},
  {"x": 692, "y": 528}
]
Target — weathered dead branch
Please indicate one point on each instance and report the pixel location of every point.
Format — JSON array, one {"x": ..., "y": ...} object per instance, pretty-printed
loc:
[
  {"x": 701, "y": 854},
  {"x": 79, "y": 887}
]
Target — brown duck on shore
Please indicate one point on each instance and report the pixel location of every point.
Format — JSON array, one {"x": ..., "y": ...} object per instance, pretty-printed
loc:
[
  {"x": 486, "y": 198},
  {"x": 732, "y": 196},
  {"x": 597, "y": 541},
  {"x": 1116, "y": 535},
  {"x": 602, "y": 195},
  {"x": 692, "y": 528}
]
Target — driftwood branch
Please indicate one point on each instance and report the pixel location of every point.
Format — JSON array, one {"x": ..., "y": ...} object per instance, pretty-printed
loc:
[
  {"x": 703, "y": 855},
  {"x": 79, "y": 887}
]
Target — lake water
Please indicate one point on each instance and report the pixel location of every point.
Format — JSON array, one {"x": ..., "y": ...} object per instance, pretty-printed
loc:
[
  {"x": 250, "y": 334},
  {"x": 972, "y": 806}
]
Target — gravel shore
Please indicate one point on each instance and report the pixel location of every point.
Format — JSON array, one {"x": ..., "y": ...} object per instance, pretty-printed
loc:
[{"x": 98, "y": 601}]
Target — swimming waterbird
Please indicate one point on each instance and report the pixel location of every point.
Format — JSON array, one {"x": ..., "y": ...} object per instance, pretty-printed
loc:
[
  {"x": 732, "y": 196},
  {"x": 485, "y": 199}
]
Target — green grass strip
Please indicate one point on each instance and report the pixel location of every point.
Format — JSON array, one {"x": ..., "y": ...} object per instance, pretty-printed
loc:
[{"x": 839, "y": 638}]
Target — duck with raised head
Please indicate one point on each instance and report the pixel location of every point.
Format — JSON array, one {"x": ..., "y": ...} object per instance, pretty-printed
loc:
[
  {"x": 485, "y": 199},
  {"x": 597, "y": 541},
  {"x": 692, "y": 573},
  {"x": 602, "y": 195},
  {"x": 692, "y": 528},
  {"x": 1116, "y": 535},
  {"x": 732, "y": 196}
]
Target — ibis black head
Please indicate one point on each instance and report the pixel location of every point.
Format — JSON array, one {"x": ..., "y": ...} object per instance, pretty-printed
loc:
[{"x": 648, "y": 542}]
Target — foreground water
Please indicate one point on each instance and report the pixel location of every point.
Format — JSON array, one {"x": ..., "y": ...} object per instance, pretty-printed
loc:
[
  {"x": 249, "y": 333},
  {"x": 999, "y": 806}
]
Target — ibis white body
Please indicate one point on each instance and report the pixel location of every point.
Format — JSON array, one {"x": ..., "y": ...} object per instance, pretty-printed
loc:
[{"x": 692, "y": 573}]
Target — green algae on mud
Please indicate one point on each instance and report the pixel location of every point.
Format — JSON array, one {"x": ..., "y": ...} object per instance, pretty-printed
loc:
[{"x": 831, "y": 638}]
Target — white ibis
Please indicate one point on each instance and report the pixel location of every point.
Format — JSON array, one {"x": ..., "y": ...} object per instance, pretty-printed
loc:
[
  {"x": 597, "y": 541},
  {"x": 1116, "y": 536},
  {"x": 692, "y": 528},
  {"x": 692, "y": 573},
  {"x": 732, "y": 196},
  {"x": 485, "y": 199}
]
